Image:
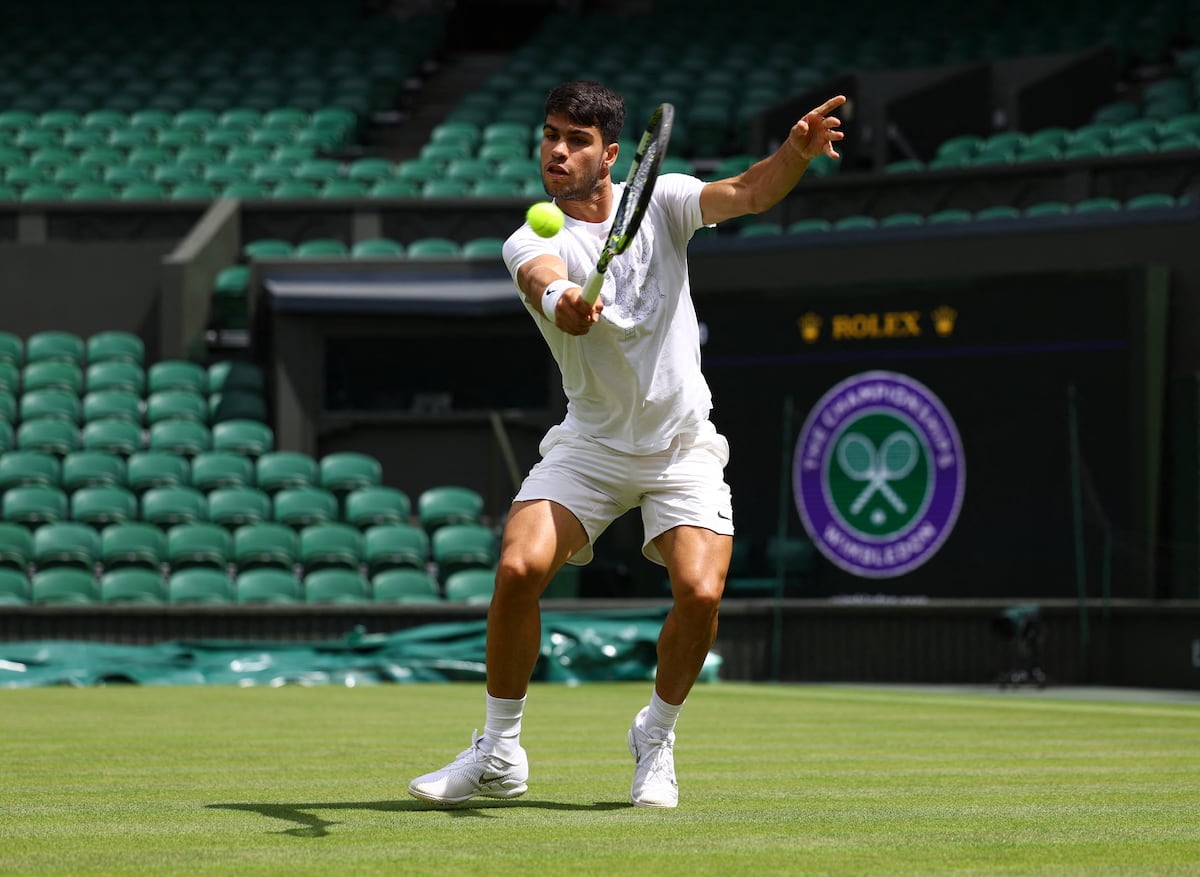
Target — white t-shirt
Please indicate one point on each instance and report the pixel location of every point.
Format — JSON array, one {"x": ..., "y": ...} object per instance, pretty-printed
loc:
[{"x": 633, "y": 382}]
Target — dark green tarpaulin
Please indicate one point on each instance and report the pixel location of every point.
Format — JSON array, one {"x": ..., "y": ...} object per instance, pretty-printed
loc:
[{"x": 575, "y": 648}]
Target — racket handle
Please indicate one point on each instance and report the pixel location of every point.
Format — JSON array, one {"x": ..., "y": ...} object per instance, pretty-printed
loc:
[{"x": 591, "y": 289}]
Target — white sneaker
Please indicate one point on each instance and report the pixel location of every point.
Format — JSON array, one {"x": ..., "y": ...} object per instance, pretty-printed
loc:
[
  {"x": 474, "y": 772},
  {"x": 654, "y": 774}
]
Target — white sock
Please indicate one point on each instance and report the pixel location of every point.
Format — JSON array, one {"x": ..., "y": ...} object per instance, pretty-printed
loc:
[
  {"x": 661, "y": 715},
  {"x": 502, "y": 727}
]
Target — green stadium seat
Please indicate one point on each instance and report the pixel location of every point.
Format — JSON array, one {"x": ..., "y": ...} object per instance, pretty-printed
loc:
[
  {"x": 344, "y": 471},
  {"x": 265, "y": 545},
  {"x": 176, "y": 405},
  {"x": 901, "y": 220},
  {"x": 103, "y": 505},
  {"x": 377, "y": 504},
  {"x": 48, "y": 435},
  {"x": 1046, "y": 208},
  {"x": 300, "y": 507},
  {"x": 64, "y": 586},
  {"x": 147, "y": 470},
  {"x": 949, "y": 216},
  {"x": 370, "y": 170},
  {"x": 115, "y": 346},
  {"x": 192, "y": 190},
  {"x": 114, "y": 375},
  {"x": 199, "y": 543},
  {"x": 250, "y": 437},
  {"x": 448, "y": 504},
  {"x": 233, "y": 507},
  {"x": 55, "y": 346},
  {"x": 1150, "y": 200},
  {"x": 120, "y": 404},
  {"x": 809, "y": 225},
  {"x": 176, "y": 374},
  {"x": 8, "y": 408},
  {"x": 16, "y": 546},
  {"x": 132, "y": 585},
  {"x": 135, "y": 544},
  {"x": 268, "y": 585},
  {"x": 400, "y": 585},
  {"x": 184, "y": 437},
  {"x": 344, "y": 189},
  {"x": 277, "y": 470},
  {"x": 1096, "y": 205},
  {"x": 229, "y": 375},
  {"x": 471, "y": 585},
  {"x": 855, "y": 222},
  {"x": 296, "y": 189},
  {"x": 167, "y": 507},
  {"x": 483, "y": 248},
  {"x": 92, "y": 469},
  {"x": 29, "y": 468},
  {"x": 335, "y": 585},
  {"x": 321, "y": 248},
  {"x": 200, "y": 585},
  {"x": 434, "y": 248},
  {"x": 15, "y": 589},
  {"x": 12, "y": 349},
  {"x": 211, "y": 470},
  {"x": 237, "y": 405},
  {"x": 112, "y": 435},
  {"x": 324, "y": 545},
  {"x": 51, "y": 375},
  {"x": 390, "y": 546},
  {"x": 997, "y": 211},
  {"x": 268, "y": 248},
  {"x": 7, "y": 437},
  {"x": 54, "y": 404},
  {"x": 462, "y": 546},
  {"x": 43, "y": 192},
  {"x": 66, "y": 543},
  {"x": 142, "y": 192}
]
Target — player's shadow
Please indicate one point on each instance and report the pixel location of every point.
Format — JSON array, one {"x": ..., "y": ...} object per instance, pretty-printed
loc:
[{"x": 309, "y": 824}]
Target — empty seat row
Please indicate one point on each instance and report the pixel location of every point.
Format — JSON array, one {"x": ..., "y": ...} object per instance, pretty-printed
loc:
[
  {"x": 260, "y": 544},
  {"x": 126, "y": 405},
  {"x": 205, "y": 586},
  {"x": 67, "y": 370},
  {"x": 34, "y": 506},
  {"x": 116, "y": 435}
]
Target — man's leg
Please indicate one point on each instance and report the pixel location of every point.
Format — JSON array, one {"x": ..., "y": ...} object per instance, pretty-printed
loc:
[
  {"x": 538, "y": 538},
  {"x": 697, "y": 561}
]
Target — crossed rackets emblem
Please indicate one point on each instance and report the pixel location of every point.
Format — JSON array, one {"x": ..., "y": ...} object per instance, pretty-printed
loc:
[{"x": 861, "y": 460}]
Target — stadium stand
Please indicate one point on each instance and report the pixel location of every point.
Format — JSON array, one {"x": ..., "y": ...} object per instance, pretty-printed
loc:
[{"x": 154, "y": 463}]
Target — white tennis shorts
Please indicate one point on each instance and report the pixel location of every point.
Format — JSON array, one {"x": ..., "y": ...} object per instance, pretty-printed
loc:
[{"x": 683, "y": 485}]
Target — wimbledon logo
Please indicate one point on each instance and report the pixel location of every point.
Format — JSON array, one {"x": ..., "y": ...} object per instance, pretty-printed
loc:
[{"x": 879, "y": 474}]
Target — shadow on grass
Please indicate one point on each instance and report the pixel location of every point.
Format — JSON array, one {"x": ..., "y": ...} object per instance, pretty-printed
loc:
[{"x": 309, "y": 824}]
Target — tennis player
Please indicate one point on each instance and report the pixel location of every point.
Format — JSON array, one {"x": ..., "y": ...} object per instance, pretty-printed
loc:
[{"x": 636, "y": 434}]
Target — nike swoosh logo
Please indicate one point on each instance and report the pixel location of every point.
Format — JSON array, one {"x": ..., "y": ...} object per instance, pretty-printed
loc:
[{"x": 724, "y": 517}]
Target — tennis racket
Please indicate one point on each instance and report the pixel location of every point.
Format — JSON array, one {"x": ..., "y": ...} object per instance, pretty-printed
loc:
[{"x": 639, "y": 185}]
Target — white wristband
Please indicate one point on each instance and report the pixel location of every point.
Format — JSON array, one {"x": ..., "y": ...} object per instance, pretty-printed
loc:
[{"x": 553, "y": 293}]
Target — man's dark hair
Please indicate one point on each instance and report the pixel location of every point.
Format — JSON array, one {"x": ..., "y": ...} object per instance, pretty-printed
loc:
[{"x": 586, "y": 102}]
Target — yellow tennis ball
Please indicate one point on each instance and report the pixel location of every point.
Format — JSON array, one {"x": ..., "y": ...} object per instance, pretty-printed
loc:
[{"x": 545, "y": 218}]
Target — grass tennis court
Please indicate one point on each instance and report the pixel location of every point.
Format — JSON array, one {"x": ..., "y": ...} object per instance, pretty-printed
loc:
[{"x": 774, "y": 780}]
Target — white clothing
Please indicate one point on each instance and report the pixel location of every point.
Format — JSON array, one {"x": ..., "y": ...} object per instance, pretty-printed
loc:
[
  {"x": 683, "y": 485},
  {"x": 633, "y": 382}
]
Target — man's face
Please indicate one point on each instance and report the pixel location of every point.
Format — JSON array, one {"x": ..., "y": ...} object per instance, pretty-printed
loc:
[{"x": 574, "y": 159}]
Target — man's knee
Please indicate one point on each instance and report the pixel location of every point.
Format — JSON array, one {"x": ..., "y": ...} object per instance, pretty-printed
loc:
[
  {"x": 698, "y": 597},
  {"x": 519, "y": 575}
]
